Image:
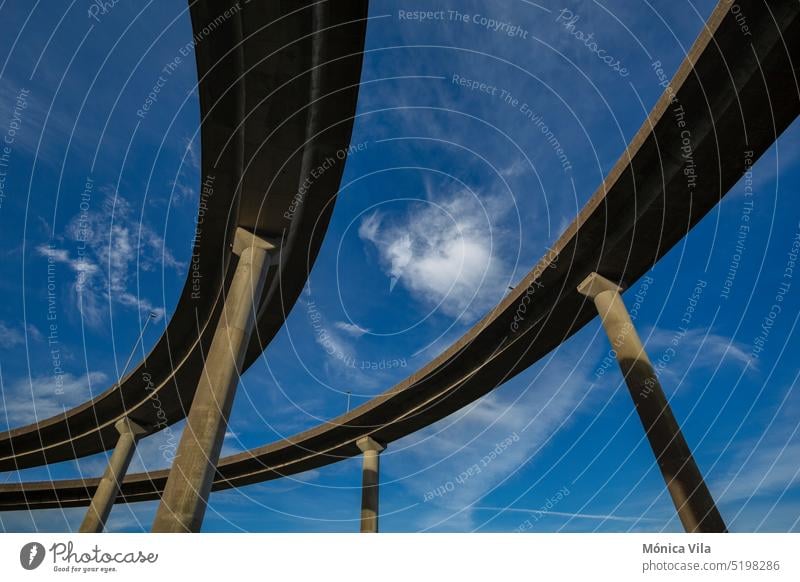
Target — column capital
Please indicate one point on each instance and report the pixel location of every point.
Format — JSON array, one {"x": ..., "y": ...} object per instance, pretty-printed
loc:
[
  {"x": 595, "y": 284},
  {"x": 245, "y": 239},
  {"x": 369, "y": 444},
  {"x": 127, "y": 426}
]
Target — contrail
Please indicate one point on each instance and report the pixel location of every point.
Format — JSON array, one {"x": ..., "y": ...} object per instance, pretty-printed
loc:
[{"x": 565, "y": 514}]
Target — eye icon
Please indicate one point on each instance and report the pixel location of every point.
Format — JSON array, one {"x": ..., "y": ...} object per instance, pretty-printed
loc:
[{"x": 31, "y": 555}]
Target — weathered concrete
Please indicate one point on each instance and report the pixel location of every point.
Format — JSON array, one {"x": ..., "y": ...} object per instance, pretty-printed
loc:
[
  {"x": 108, "y": 488},
  {"x": 185, "y": 496},
  {"x": 692, "y": 499},
  {"x": 370, "y": 475}
]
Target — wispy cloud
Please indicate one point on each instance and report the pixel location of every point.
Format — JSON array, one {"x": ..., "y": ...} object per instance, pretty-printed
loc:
[
  {"x": 45, "y": 123},
  {"x": 185, "y": 185},
  {"x": 673, "y": 352},
  {"x": 337, "y": 342},
  {"x": 28, "y": 400},
  {"x": 12, "y": 336},
  {"x": 350, "y": 328},
  {"x": 764, "y": 466},
  {"x": 592, "y": 516},
  {"x": 771, "y": 469},
  {"x": 108, "y": 245},
  {"x": 193, "y": 153},
  {"x": 456, "y": 443}
]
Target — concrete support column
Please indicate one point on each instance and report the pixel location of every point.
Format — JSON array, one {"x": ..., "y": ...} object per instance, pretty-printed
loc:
[
  {"x": 370, "y": 479},
  {"x": 108, "y": 489},
  {"x": 183, "y": 503},
  {"x": 696, "y": 507}
]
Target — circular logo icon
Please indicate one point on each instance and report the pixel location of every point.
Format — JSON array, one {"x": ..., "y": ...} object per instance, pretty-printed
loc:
[{"x": 31, "y": 555}]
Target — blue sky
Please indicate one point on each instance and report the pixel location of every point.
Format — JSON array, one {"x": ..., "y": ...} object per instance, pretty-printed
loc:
[{"x": 452, "y": 196}]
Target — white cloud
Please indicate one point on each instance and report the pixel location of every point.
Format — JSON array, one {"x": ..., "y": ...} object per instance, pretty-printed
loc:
[
  {"x": 106, "y": 255},
  {"x": 515, "y": 169},
  {"x": 46, "y": 396},
  {"x": 590, "y": 516},
  {"x": 10, "y": 337},
  {"x": 351, "y": 328},
  {"x": 445, "y": 252},
  {"x": 193, "y": 152},
  {"x": 185, "y": 185},
  {"x": 673, "y": 352},
  {"x": 762, "y": 466},
  {"x": 341, "y": 357},
  {"x": 769, "y": 470},
  {"x": 336, "y": 347}
]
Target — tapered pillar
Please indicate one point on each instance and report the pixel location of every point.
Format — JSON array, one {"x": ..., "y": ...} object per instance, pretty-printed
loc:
[
  {"x": 369, "y": 487},
  {"x": 108, "y": 489},
  {"x": 183, "y": 503},
  {"x": 696, "y": 507}
]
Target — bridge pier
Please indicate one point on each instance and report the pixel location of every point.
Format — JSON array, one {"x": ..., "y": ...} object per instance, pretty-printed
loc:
[
  {"x": 108, "y": 488},
  {"x": 370, "y": 481},
  {"x": 185, "y": 497},
  {"x": 696, "y": 508}
]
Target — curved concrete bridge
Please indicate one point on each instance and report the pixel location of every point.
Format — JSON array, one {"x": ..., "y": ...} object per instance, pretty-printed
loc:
[{"x": 737, "y": 95}]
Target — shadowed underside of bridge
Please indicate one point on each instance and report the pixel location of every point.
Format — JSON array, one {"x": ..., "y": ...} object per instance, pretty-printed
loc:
[
  {"x": 737, "y": 94},
  {"x": 278, "y": 85}
]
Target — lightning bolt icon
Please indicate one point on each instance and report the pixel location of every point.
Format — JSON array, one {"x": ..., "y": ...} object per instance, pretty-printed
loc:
[{"x": 32, "y": 554}]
